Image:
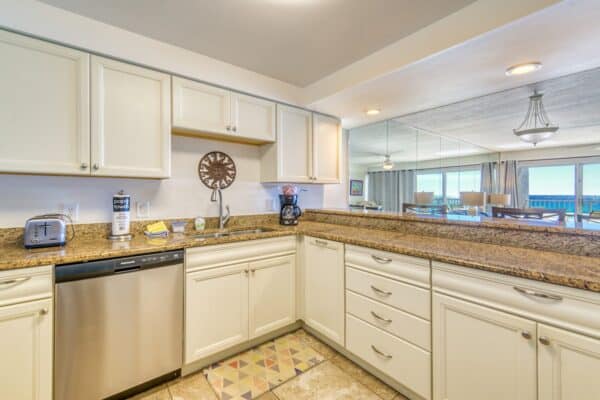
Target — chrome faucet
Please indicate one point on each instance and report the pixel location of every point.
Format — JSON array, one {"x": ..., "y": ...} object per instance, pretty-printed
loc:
[{"x": 218, "y": 196}]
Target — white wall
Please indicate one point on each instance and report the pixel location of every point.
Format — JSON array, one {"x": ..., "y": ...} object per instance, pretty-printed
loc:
[
  {"x": 183, "y": 195},
  {"x": 39, "y": 19}
]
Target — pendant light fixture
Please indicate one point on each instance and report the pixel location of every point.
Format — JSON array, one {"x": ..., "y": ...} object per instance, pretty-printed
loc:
[
  {"x": 387, "y": 161},
  {"x": 536, "y": 127}
]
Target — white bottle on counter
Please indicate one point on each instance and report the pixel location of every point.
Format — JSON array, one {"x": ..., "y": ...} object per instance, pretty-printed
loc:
[{"x": 121, "y": 214}]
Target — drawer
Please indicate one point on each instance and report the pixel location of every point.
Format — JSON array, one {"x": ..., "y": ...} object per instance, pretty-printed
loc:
[
  {"x": 400, "y": 360},
  {"x": 406, "y": 326},
  {"x": 409, "y": 298},
  {"x": 412, "y": 270},
  {"x": 233, "y": 253},
  {"x": 27, "y": 284},
  {"x": 573, "y": 309}
]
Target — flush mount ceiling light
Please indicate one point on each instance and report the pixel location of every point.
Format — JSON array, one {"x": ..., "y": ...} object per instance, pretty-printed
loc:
[
  {"x": 525, "y": 68},
  {"x": 536, "y": 127},
  {"x": 372, "y": 111},
  {"x": 387, "y": 161}
]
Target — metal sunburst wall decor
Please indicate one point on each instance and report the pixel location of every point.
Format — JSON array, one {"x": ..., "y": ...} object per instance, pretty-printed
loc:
[{"x": 217, "y": 170}]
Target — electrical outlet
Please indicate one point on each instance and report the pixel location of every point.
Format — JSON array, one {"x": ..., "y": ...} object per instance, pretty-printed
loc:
[
  {"x": 71, "y": 210},
  {"x": 143, "y": 209}
]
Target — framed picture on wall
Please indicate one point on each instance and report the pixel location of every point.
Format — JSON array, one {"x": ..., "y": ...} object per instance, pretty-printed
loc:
[{"x": 356, "y": 187}]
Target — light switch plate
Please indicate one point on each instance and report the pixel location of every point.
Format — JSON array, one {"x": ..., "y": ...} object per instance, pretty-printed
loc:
[{"x": 143, "y": 209}]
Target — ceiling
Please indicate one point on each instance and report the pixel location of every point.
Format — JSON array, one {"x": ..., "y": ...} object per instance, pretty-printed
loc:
[
  {"x": 484, "y": 124},
  {"x": 563, "y": 36},
  {"x": 295, "y": 41}
]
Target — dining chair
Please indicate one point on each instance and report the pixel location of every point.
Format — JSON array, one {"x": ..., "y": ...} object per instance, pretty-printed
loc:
[
  {"x": 529, "y": 213},
  {"x": 428, "y": 209}
]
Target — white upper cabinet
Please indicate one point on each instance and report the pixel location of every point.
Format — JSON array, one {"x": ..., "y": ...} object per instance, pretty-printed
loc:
[
  {"x": 307, "y": 148},
  {"x": 200, "y": 108},
  {"x": 326, "y": 149},
  {"x": 253, "y": 118},
  {"x": 44, "y": 107},
  {"x": 289, "y": 160},
  {"x": 568, "y": 366},
  {"x": 131, "y": 120},
  {"x": 480, "y": 353},
  {"x": 207, "y": 110}
]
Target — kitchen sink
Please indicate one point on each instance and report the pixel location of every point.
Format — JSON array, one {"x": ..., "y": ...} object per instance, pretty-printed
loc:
[{"x": 216, "y": 235}]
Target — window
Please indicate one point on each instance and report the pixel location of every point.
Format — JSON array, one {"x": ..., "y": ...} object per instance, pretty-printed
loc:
[
  {"x": 552, "y": 187},
  {"x": 590, "y": 188},
  {"x": 572, "y": 185},
  {"x": 447, "y": 184}
]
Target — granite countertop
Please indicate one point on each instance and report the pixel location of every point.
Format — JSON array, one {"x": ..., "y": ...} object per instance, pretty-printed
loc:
[{"x": 567, "y": 270}]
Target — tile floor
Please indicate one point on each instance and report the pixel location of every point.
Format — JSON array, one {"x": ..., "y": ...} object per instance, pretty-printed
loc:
[{"x": 337, "y": 378}]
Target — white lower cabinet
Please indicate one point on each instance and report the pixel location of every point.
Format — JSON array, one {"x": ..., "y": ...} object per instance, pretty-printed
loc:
[
  {"x": 480, "y": 353},
  {"x": 227, "y": 303},
  {"x": 272, "y": 294},
  {"x": 26, "y": 346},
  {"x": 568, "y": 365},
  {"x": 211, "y": 328},
  {"x": 500, "y": 337},
  {"x": 324, "y": 287}
]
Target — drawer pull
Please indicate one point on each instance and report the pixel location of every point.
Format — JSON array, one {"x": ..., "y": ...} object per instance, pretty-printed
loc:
[
  {"x": 15, "y": 281},
  {"x": 381, "y": 260},
  {"x": 381, "y": 353},
  {"x": 320, "y": 242},
  {"x": 528, "y": 292},
  {"x": 381, "y": 292},
  {"x": 544, "y": 340},
  {"x": 379, "y": 317}
]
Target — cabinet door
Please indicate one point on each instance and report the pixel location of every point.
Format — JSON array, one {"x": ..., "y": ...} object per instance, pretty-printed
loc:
[
  {"x": 131, "y": 120},
  {"x": 479, "y": 353},
  {"x": 26, "y": 348},
  {"x": 44, "y": 111},
  {"x": 216, "y": 310},
  {"x": 272, "y": 294},
  {"x": 201, "y": 108},
  {"x": 294, "y": 133},
  {"x": 324, "y": 287},
  {"x": 253, "y": 118},
  {"x": 326, "y": 149},
  {"x": 569, "y": 365}
]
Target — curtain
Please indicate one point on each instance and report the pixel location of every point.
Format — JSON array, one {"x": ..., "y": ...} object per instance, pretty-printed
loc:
[
  {"x": 408, "y": 185},
  {"x": 515, "y": 181},
  {"x": 489, "y": 182},
  {"x": 384, "y": 189}
]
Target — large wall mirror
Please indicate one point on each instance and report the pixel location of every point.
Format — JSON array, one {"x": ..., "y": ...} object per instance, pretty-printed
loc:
[{"x": 465, "y": 159}]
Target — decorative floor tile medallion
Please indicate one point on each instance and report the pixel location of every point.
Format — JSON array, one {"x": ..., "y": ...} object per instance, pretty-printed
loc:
[{"x": 256, "y": 371}]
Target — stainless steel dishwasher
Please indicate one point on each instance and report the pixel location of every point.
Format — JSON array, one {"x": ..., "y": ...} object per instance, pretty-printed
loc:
[{"x": 118, "y": 326}]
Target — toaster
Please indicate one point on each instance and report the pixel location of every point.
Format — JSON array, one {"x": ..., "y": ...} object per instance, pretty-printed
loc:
[{"x": 45, "y": 231}]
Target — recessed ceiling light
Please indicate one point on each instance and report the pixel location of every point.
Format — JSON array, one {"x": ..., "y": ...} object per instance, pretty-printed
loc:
[
  {"x": 525, "y": 68},
  {"x": 372, "y": 111}
]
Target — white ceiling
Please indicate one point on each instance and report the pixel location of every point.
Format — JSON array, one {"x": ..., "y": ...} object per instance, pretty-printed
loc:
[
  {"x": 484, "y": 124},
  {"x": 296, "y": 41},
  {"x": 563, "y": 36}
]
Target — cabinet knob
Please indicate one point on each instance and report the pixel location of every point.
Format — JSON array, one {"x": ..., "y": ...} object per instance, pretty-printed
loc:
[
  {"x": 526, "y": 335},
  {"x": 96, "y": 167},
  {"x": 83, "y": 165},
  {"x": 228, "y": 127},
  {"x": 43, "y": 311},
  {"x": 234, "y": 128},
  {"x": 544, "y": 340}
]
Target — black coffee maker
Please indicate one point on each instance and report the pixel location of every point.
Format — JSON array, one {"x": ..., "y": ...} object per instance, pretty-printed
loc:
[{"x": 289, "y": 209}]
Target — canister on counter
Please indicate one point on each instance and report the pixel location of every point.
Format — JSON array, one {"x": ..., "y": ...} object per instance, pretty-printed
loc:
[{"x": 121, "y": 216}]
